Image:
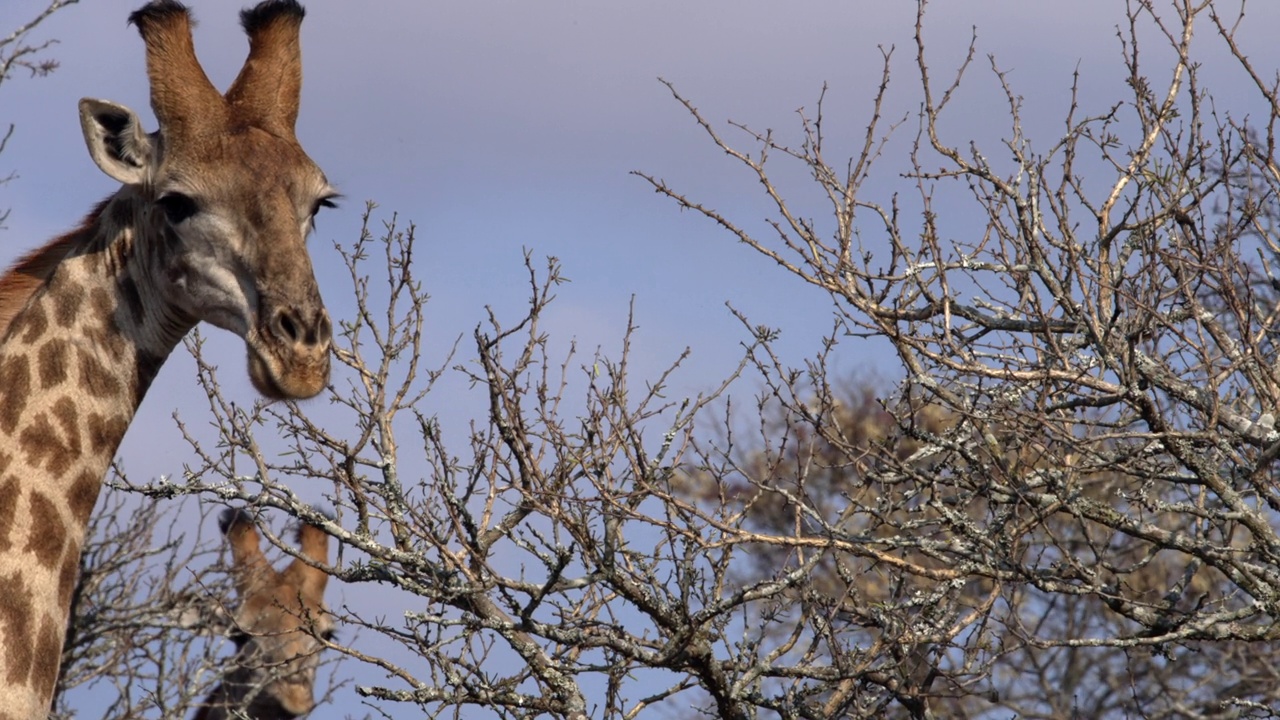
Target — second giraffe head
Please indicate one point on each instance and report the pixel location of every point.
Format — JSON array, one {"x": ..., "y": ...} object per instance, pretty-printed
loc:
[{"x": 280, "y": 623}]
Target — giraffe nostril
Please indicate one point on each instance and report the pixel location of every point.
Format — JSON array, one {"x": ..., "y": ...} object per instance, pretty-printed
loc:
[
  {"x": 291, "y": 327},
  {"x": 288, "y": 329},
  {"x": 324, "y": 329}
]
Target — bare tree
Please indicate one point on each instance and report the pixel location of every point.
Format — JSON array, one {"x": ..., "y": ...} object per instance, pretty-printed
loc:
[
  {"x": 154, "y": 613},
  {"x": 20, "y": 52},
  {"x": 1092, "y": 529},
  {"x": 153, "y": 604},
  {"x": 1066, "y": 508},
  {"x": 146, "y": 598},
  {"x": 146, "y": 602}
]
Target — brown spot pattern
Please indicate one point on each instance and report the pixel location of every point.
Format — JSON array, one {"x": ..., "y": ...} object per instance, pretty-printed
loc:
[
  {"x": 101, "y": 301},
  {"x": 65, "y": 415},
  {"x": 32, "y": 324},
  {"x": 42, "y": 446},
  {"x": 16, "y": 628},
  {"x": 104, "y": 434},
  {"x": 66, "y": 303},
  {"x": 10, "y": 496},
  {"x": 67, "y": 576},
  {"x": 51, "y": 363},
  {"x": 96, "y": 379},
  {"x": 15, "y": 386},
  {"x": 83, "y": 495},
  {"x": 107, "y": 339},
  {"x": 48, "y": 654},
  {"x": 48, "y": 531},
  {"x": 31, "y": 272}
]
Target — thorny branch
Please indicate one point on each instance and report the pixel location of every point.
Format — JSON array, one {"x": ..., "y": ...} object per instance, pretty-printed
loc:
[
  {"x": 18, "y": 52},
  {"x": 1065, "y": 509}
]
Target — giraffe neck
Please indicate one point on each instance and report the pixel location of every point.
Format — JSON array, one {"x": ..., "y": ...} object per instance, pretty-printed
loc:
[{"x": 75, "y": 362}]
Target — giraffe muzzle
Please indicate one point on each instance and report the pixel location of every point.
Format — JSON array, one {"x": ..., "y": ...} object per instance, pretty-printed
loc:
[
  {"x": 290, "y": 360},
  {"x": 302, "y": 330}
]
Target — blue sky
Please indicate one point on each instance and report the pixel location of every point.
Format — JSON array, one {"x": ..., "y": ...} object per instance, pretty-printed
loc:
[{"x": 498, "y": 126}]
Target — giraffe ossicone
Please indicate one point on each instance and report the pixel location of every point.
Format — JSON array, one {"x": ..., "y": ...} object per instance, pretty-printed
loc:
[
  {"x": 280, "y": 624},
  {"x": 210, "y": 224}
]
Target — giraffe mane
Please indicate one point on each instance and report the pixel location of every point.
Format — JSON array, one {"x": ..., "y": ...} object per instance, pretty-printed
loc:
[{"x": 33, "y": 269}]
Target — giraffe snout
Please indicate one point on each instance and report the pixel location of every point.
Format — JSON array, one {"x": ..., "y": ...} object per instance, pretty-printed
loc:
[
  {"x": 289, "y": 355},
  {"x": 295, "y": 700},
  {"x": 302, "y": 329}
]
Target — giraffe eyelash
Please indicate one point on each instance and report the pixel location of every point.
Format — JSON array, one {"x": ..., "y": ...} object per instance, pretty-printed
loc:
[{"x": 324, "y": 202}]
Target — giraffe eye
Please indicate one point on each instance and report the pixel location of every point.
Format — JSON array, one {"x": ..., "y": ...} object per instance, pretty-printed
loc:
[
  {"x": 177, "y": 207},
  {"x": 324, "y": 202}
]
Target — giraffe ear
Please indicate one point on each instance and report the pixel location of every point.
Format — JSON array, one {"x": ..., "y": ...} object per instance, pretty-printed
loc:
[{"x": 116, "y": 140}]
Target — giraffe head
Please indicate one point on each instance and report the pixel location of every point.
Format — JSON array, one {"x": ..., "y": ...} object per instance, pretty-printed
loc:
[
  {"x": 223, "y": 194},
  {"x": 280, "y": 616}
]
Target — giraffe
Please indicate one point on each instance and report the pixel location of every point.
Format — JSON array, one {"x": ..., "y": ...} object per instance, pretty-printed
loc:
[
  {"x": 280, "y": 616},
  {"x": 209, "y": 224}
]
